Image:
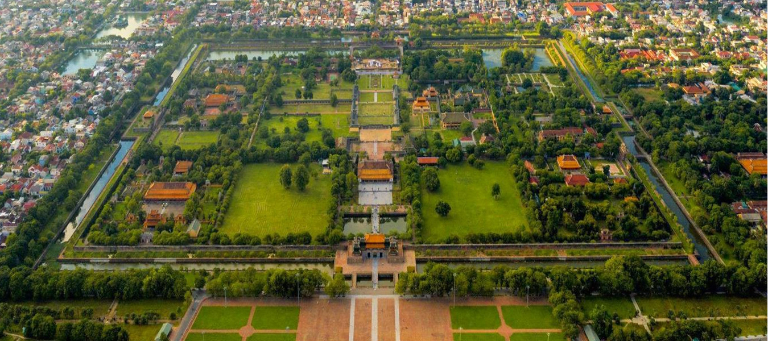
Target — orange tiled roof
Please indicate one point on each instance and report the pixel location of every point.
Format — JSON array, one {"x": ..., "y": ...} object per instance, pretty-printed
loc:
[
  {"x": 182, "y": 167},
  {"x": 170, "y": 191},
  {"x": 375, "y": 174},
  {"x": 753, "y": 166},
  {"x": 568, "y": 162},
  {"x": 215, "y": 100}
]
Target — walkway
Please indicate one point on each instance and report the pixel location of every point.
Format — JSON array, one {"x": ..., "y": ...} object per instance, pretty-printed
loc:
[{"x": 189, "y": 317}]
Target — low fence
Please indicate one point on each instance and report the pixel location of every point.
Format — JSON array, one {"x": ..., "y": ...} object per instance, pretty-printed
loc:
[
  {"x": 196, "y": 248},
  {"x": 548, "y": 246}
]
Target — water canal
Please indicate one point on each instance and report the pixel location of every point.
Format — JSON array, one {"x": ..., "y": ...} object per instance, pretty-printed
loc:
[
  {"x": 492, "y": 58},
  {"x": 95, "y": 192},
  {"x": 174, "y": 75}
]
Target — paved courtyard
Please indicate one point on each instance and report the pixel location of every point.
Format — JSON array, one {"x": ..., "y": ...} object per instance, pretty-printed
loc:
[{"x": 374, "y": 193}]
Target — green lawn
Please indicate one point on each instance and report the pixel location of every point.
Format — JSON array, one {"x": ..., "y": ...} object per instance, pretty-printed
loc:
[
  {"x": 388, "y": 82},
  {"x": 713, "y": 305},
  {"x": 197, "y": 139},
  {"x": 160, "y": 306},
  {"x": 531, "y": 317},
  {"x": 468, "y": 191},
  {"x": 275, "y": 318},
  {"x": 751, "y": 327},
  {"x": 375, "y": 120},
  {"x": 650, "y": 94},
  {"x": 94, "y": 168},
  {"x": 475, "y": 317},
  {"x": 366, "y": 97},
  {"x": 222, "y": 318},
  {"x": 321, "y": 91},
  {"x": 384, "y": 97},
  {"x": 339, "y": 124},
  {"x": 141, "y": 333},
  {"x": 100, "y": 307},
  {"x": 619, "y": 305},
  {"x": 213, "y": 337},
  {"x": 341, "y": 108},
  {"x": 377, "y": 109},
  {"x": 166, "y": 138},
  {"x": 477, "y": 337},
  {"x": 272, "y": 337},
  {"x": 281, "y": 122},
  {"x": 261, "y": 205},
  {"x": 536, "y": 337}
]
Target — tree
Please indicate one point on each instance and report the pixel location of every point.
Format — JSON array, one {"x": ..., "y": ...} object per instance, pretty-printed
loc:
[
  {"x": 442, "y": 208},
  {"x": 431, "y": 179},
  {"x": 453, "y": 155},
  {"x": 303, "y": 125},
  {"x": 40, "y": 327},
  {"x": 301, "y": 177},
  {"x": 334, "y": 100},
  {"x": 298, "y": 93},
  {"x": 337, "y": 286},
  {"x": 527, "y": 83},
  {"x": 285, "y": 176},
  {"x": 496, "y": 191},
  {"x": 466, "y": 128}
]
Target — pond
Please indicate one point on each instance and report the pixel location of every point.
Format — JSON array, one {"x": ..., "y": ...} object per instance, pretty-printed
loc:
[
  {"x": 492, "y": 58},
  {"x": 83, "y": 59},
  {"x": 256, "y": 54},
  {"x": 387, "y": 224},
  {"x": 101, "y": 183},
  {"x": 134, "y": 21}
]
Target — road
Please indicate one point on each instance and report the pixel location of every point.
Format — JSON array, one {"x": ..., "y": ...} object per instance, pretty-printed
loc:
[{"x": 198, "y": 296}]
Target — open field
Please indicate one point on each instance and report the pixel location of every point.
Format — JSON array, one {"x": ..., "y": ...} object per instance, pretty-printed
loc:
[
  {"x": 322, "y": 90},
  {"x": 375, "y": 120},
  {"x": 160, "y": 306},
  {"x": 475, "y": 317},
  {"x": 276, "y": 318},
  {"x": 468, "y": 191},
  {"x": 383, "y": 109},
  {"x": 713, "y": 305},
  {"x": 213, "y": 337},
  {"x": 619, "y": 305},
  {"x": 260, "y": 205},
  {"x": 272, "y": 337},
  {"x": 197, "y": 139},
  {"x": 222, "y": 318},
  {"x": 323, "y": 109},
  {"x": 339, "y": 124},
  {"x": 531, "y": 317},
  {"x": 142, "y": 332},
  {"x": 536, "y": 337},
  {"x": 278, "y": 124},
  {"x": 166, "y": 138},
  {"x": 477, "y": 337},
  {"x": 650, "y": 94}
]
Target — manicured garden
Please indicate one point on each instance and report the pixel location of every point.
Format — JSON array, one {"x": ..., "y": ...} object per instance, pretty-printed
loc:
[
  {"x": 477, "y": 337},
  {"x": 475, "y": 317},
  {"x": 713, "y": 305},
  {"x": 537, "y": 337},
  {"x": 531, "y": 317},
  {"x": 620, "y": 305},
  {"x": 197, "y": 139},
  {"x": 260, "y": 205},
  {"x": 221, "y": 318},
  {"x": 377, "y": 109},
  {"x": 468, "y": 191},
  {"x": 313, "y": 108},
  {"x": 275, "y": 318},
  {"x": 272, "y": 337},
  {"x": 213, "y": 337}
]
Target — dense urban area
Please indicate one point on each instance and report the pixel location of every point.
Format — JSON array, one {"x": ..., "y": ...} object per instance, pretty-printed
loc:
[{"x": 385, "y": 170}]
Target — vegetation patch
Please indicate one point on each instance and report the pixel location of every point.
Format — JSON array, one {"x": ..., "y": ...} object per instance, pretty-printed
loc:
[
  {"x": 197, "y": 139},
  {"x": 477, "y": 337},
  {"x": 621, "y": 306},
  {"x": 475, "y": 317},
  {"x": 221, "y": 318},
  {"x": 276, "y": 318},
  {"x": 531, "y": 317},
  {"x": 714, "y": 305},
  {"x": 272, "y": 337}
]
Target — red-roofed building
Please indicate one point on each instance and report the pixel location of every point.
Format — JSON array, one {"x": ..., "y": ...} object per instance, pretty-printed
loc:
[
  {"x": 582, "y": 9},
  {"x": 427, "y": 160},
  {"x": 576, "y": 180}
]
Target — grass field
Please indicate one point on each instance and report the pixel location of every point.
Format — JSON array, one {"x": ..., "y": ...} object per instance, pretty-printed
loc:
[
  {"x": 366, "y": 97},
  {"x": 261, "y": 205},
  {"x": 375, "y": 120},
  {"x": 378, "y": 109},
  {"x": 166, "y": 138},
  {"x": 160, "y": 306},
  {"x": 532, "y": 317},
  {"x": 321, "y": 91},
  {"x": 468, "y": 191},
  {"x": 715, "y": 305},
  {"x": 141, "y": 333},
  {"x": 650, "y": 94},
  {"x": 620, "y": 305},
  {"x": 341, "y": 108},
  {"x": 477, "y": 337},
  {"x": 281, "y": 122},
  {"x": 222, "y": 318},
  {"x": 276, "y": 318},
  {"x": 197, "y": 139},
  {"x": 213, "y": 337},
  {"x": 339, "y": 124},
  {"x": 272, "y": 337},
  {"x": 751, "y": 327},
  {"x": 536, "y": 337},
  {"x": 475, "y": 317}
]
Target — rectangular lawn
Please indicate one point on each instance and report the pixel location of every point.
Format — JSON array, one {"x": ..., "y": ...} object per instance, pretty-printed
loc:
[
  {"x": 468, "y": 191},
  {"x": 714, "y": 305},
  {"x": 475, "y": 317},
  {"x": 339, "y": 124},
  {"x": 275, "y": 318},
  {"x": 212, "y": 337},
  {"x": 272, "y": 337},
  {"x": 260, "y": 205},
  {"x": 477, "y": 337},
  {"x": 197, "y": 139},
  {"x": 620, "y": 305},
  {"x": 279, "y": 124},
  {"x": 222, "y": 318},
  {"x": 531, "y": 317},
  {"x": 166, "y": 138},
  {"x": 536, "y": 337}
]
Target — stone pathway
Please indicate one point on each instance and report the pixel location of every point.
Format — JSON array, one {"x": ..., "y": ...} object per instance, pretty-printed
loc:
[{"x": 640, "y": 319}]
